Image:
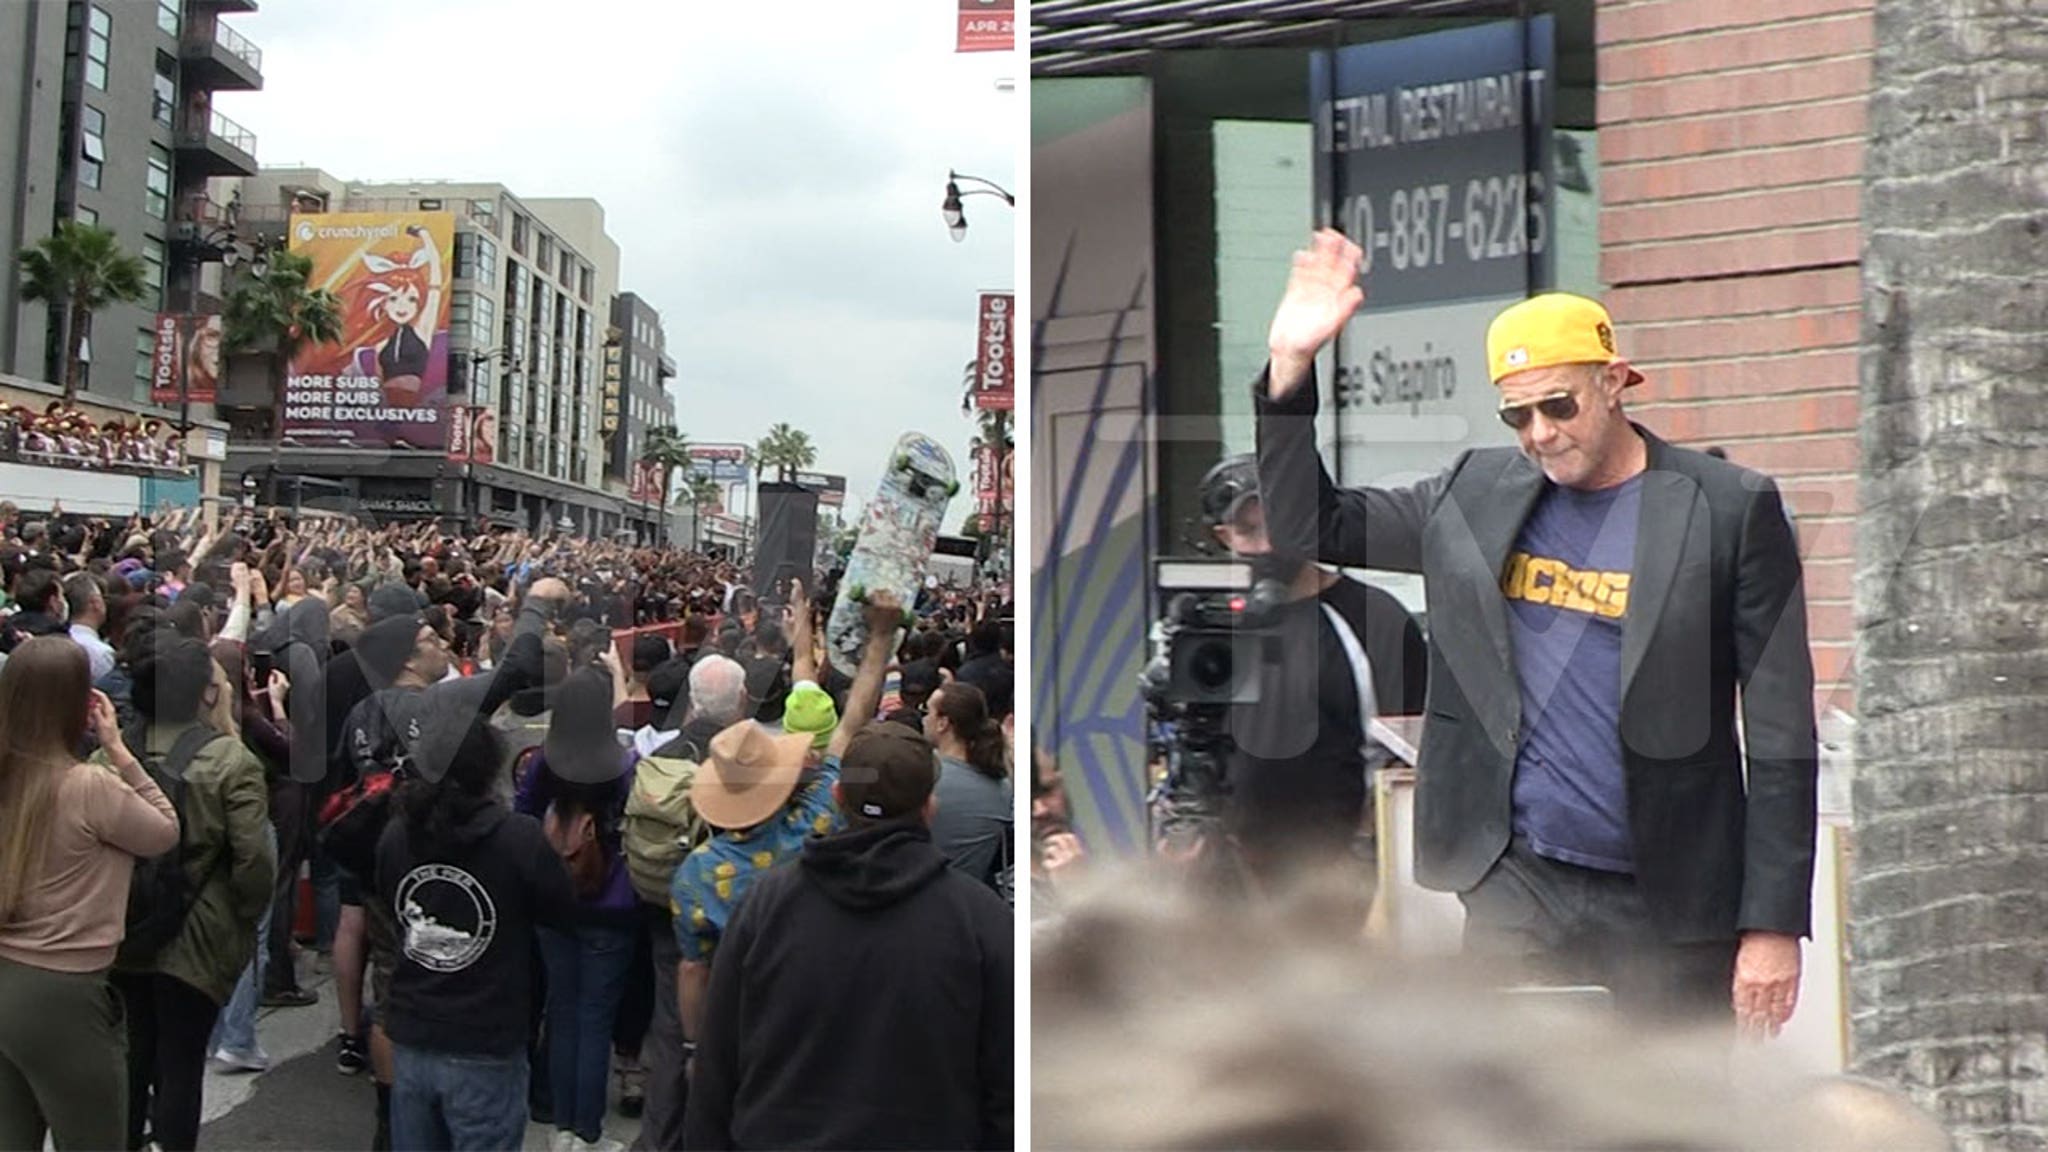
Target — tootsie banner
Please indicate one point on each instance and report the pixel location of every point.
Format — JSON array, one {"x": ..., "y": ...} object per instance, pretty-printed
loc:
[
  {"x": 995, "y": 360},
  {"x": 186, "y": 364},
  {"x": 649, "y": 481},
  {"x": 472, "y": 435},
  {"x": 987, "y": 481}
]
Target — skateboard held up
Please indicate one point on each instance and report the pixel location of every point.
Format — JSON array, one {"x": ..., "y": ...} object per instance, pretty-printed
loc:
[{"x": 894, "y": 547}]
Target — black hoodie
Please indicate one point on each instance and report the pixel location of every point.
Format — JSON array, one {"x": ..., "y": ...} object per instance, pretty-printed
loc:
[
  {"x": 860, "y": 998},
  {"x": 466, "y": 905},
  {"x": 297, "y": 638}
]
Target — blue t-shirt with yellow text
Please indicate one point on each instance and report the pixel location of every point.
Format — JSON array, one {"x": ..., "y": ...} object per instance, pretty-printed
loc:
[{"x": 1567, "y": 585}]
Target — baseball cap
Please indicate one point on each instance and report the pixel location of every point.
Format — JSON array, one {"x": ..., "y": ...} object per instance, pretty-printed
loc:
[
  {"x": 809, "y": 710},
  {"x": 1550, "y": 329},
  {"x": 1227, "y": 486},
  {"x": 887, "y": 773},
  {"x": 667, "y": 688}
]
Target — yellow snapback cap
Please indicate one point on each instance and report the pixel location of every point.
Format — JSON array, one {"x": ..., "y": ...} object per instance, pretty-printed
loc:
[{"x": 1553, "y": 328}]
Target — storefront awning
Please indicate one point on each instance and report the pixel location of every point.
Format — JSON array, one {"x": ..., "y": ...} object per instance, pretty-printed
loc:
[{"x": 1116, "y": 37}]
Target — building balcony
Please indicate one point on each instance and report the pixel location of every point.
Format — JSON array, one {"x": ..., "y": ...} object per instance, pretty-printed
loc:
[
  {"x": 216, "y": 58},
  {"x": 216, "y": 146}
]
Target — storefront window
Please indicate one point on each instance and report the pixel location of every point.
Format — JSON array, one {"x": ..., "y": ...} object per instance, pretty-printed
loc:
[{"x": 1237, "y": 189}]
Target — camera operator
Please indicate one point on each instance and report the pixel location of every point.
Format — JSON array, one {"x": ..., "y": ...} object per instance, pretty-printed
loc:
[{"x": 1299, "y": 775}]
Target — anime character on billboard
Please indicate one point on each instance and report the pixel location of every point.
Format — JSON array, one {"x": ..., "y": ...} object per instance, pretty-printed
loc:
[{"x": 394, "y": 306}]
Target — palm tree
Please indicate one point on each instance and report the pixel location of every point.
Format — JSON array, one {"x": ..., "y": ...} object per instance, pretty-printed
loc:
[
  {"x": 668, "y": 447},
  {"x": 702, "y": 492},
  {"x": 1945, "y": 912},
  {"x": 81, "y": 269},
  {"x": 787, "y": 450},
  {"x": 275, "y": 309}
]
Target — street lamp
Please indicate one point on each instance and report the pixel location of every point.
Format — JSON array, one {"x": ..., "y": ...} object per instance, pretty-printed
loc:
[
  {"x": 956, "y": 217},
  {"x": 206, "y": 238}
]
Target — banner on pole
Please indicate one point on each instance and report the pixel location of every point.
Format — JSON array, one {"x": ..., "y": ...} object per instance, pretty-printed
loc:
[{"x": 995, "y": 357}]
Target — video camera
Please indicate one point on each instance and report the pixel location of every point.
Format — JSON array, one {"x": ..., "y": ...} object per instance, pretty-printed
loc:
[{"x": 1214, "y": 637}]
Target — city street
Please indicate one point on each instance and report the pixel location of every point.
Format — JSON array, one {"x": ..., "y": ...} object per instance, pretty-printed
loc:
[{"x": 302, "y": 1103}]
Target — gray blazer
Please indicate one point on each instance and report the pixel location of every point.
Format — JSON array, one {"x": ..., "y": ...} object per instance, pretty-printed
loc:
[{"x": 1723, "y": 832}]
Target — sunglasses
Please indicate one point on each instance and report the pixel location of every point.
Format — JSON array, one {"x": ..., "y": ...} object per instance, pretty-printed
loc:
[{"x": 1556, "y": 409}]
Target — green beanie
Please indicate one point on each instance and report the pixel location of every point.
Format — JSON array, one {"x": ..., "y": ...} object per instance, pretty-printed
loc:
[{"x": 809, "y": 710}]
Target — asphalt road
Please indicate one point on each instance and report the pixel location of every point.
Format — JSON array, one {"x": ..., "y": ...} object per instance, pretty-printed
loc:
[{"x": 303, "y": 1103}]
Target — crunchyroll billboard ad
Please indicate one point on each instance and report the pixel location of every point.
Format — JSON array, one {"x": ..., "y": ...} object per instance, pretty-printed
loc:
[{"x": 385, "y": 383}]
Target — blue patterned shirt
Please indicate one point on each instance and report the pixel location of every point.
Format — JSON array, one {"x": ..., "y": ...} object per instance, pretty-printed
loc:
[{"x": 712, "y": 878}]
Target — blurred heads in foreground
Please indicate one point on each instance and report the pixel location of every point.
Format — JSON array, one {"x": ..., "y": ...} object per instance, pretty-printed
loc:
[{"x": 1161, "y": 1020}]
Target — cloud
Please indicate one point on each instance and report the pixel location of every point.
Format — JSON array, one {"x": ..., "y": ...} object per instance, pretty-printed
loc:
[{"x": 772, "y": 175}]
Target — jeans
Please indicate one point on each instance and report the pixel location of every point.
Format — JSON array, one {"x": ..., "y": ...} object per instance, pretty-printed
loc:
[
  {"x": 636, "y": 1009},
  {"x": 326, "y": 900},
  {"x": 1548, "y": 922},
  {"x": 586, "y": 980},
  {"x": 450, "y": 1102},
  {"x": 291, "y": 824},
  {"x": 168, "y": 1025},
  {"x": 236, "y": 1030},
  {"x": 668, "y": 1085}
]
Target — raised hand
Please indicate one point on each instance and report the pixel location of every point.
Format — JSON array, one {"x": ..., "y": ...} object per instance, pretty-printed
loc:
[
  {"x": 1322, "y": 293},
  {"x": 104, "y": 721},
  {"x": 884, "y": 615}
]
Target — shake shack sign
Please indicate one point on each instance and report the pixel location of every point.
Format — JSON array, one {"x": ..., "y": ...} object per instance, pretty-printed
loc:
[{"x": 398, "y": 505}]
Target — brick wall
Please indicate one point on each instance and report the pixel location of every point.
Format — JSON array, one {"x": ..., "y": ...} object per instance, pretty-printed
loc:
[{"x": 1731, "y": 153}]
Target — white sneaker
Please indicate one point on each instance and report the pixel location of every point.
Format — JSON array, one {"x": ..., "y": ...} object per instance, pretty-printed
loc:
[
  {"x": 603, "y": 1144},
  {"x": 233, "y": 1061},
  {"x": 564, "y": 1141}
]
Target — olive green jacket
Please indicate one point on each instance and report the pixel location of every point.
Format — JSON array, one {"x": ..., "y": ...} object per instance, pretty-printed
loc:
[{"x": 228, "y": 857}]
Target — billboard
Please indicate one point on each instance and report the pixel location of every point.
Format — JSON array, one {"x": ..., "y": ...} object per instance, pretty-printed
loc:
[
  {"x": 649, "y": 484},
  {"x": 995, "y": 353},
  {"x": 384, "y": 384},
  {"x": 472, "y": 435},
  {"x": 986, "y": 25},
  {"x": 831, "y": 489},
  {"x": 993, "y": 491},
  {"x": 186, "y": 364},
  {"x": 723, "y": 463}
]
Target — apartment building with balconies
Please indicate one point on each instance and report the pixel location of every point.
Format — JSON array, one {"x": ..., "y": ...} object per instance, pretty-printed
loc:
[{"x": 107, "y": 111}]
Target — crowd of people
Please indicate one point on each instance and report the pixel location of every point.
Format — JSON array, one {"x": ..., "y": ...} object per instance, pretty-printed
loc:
[
  {"x": 585, "y": 824},
  {"x": 66, "y": 435}
]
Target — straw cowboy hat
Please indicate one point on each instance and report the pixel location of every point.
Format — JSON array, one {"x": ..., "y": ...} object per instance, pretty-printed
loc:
[{"x": 748, "y": 776}]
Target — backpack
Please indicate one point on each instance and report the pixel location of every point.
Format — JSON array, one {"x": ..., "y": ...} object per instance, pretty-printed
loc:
[
  {"x": 661, "y": 826},
  {"x": 161, "y": 894}
]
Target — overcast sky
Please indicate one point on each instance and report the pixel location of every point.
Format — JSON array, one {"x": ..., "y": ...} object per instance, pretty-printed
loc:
[{"x": 771, "y": 173}]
